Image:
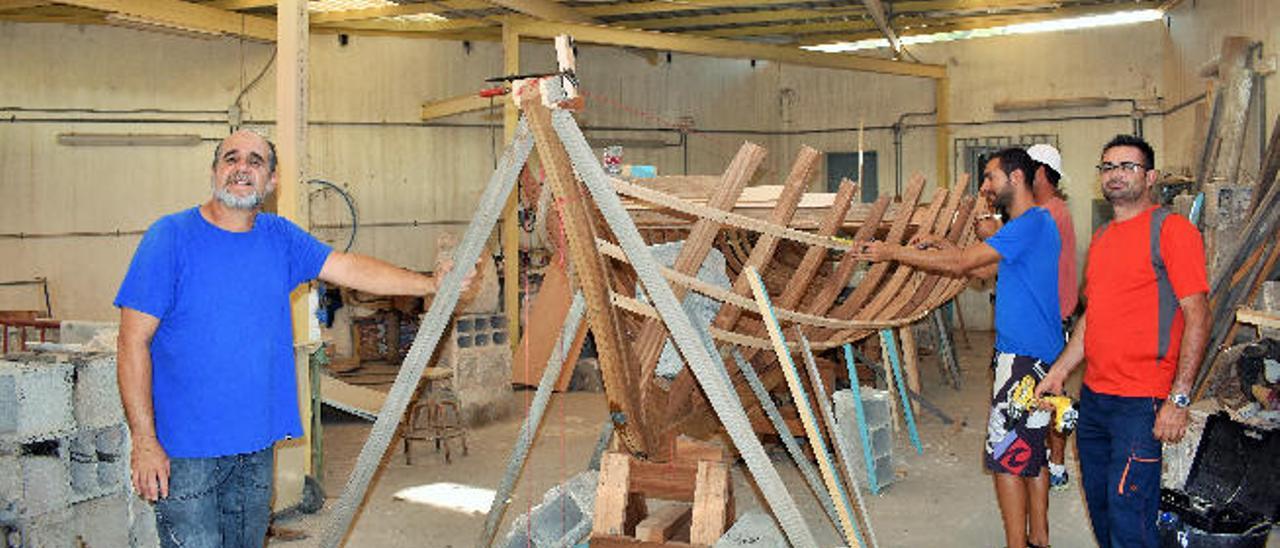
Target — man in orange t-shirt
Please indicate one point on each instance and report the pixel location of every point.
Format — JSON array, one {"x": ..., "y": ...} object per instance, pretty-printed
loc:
[{"x": 1143, "y": 334}]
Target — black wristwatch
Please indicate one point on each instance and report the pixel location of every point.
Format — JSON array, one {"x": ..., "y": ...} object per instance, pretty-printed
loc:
[{"x": 1179, "y": 400}]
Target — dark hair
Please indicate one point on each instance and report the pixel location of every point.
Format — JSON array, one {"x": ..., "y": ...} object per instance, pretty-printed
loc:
[
  {"x": 1050, "y": 174},
  {"x": 1135, "y": 142},
  {"x": 1016, "y": 159},
  {"x": 271, "y": 154}
]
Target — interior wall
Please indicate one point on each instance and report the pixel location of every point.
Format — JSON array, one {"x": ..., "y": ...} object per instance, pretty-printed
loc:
[
  {"x": 365, "y": 99},
  {"x": 1195, "y": 31}
]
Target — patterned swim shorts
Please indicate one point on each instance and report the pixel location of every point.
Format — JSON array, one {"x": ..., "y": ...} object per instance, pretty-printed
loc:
[{"x": 1016, "y": 430}]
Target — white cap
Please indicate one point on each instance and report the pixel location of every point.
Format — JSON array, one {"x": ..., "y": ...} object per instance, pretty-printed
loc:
[{"x": 1046, "y": 155}]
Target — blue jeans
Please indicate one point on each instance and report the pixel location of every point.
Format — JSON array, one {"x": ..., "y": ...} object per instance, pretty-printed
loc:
[
  {"x": 1120, "y": 468},
  {"x": 217, "y": 502}
]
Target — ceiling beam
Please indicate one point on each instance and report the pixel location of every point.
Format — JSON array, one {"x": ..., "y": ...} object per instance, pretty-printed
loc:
[
  {"x": 239, "y": 4},
  {"x": 547, "y": 10},
  {"x": 186, "y": 14},
  {"x": 876, "y": 9},
  {"x": 411, "y": 26},
  {"x": 7, "y": 5},
  {"x": 763, "y": 16},
  {"x": 723, "y": 48},
  {"x": 470, "y": 102}
]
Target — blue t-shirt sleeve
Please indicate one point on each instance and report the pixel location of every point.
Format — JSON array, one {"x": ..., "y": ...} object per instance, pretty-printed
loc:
[
  {"x": 152, "y": 279},
  {"x": 1017, "y": 236},
  {"x": 306, "y": 254}
]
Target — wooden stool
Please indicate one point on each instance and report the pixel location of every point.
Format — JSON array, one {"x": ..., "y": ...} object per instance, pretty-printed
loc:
[{"x": 434, "y": 415}]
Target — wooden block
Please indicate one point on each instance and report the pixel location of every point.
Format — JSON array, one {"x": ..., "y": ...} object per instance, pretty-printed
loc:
[
  {"x": 615, "y": 541},
  {"x": 665, "y": 524},
  {"x": 712, "y": 503},
  {"x": 663, "y": 480},
  {"x": 693, "y": 450},
  {"x": 612, "y": 495}
]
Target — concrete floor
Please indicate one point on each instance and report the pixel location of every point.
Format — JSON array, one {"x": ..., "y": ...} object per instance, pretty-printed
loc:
[{"x": 943, "y": 497}]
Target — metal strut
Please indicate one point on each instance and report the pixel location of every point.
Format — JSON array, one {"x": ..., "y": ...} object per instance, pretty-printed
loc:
[{"x": 424, "y": 344}]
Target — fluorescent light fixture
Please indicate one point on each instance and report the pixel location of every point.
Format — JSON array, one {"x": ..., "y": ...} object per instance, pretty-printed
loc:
[
  {"x": 450, "y": 496},
  {"x": 347, "y": 5},
  {"x": 418, "y": 18},
  {"x": 128, "y": 140},
  {"x": 1072, "y": 23},
  {"x": 156, "y": 25}
]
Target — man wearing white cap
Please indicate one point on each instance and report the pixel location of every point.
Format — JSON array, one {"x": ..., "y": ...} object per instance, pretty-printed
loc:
[{"x": 1046, "y": 192}]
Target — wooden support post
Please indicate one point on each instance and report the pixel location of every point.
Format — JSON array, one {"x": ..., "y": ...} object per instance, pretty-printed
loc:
[
  {"x": 910, "y": 361},
  {"x": 613, "y": 496},
  {"x": 510, "y": 234},
  {"x": 293, "y": 457}
]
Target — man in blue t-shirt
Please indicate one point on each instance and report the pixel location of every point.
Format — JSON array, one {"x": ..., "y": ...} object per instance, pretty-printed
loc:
[
  {"x": 1028, "y": 334},
  {"x": 206, "y": 365}
]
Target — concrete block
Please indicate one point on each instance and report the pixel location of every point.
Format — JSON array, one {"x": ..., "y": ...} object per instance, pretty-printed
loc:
[
  {"x": 96, "y": 396},
  {"x": 54, "y": 529},
  {"x": 113, "y": 458},
  {"x": 142, "y": 523},
  {"x": 1271, "y": 296},
  {"x": 10, "y": 488},
  {"x": 1178, "y": 457},
  {"x": 753, "y": 529},
  {"x": 103, "y": 521},
  {"x": 46, "y": 476},
  {"x": 564, "y": 513},
  {"x": 97, "y": 334},
  {"x": 481, "y": 361},
  {"x": 35, "y": 401},
  {"x": 84, "y": 466},
  {"x": 553, "y": 519},
  {"x": 875, "y": 405}
]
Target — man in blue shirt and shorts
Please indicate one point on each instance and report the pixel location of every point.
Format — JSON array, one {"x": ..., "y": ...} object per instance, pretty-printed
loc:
[
  {"x": 206, "y": 364},
  {"x": 1028, "y": 335}
]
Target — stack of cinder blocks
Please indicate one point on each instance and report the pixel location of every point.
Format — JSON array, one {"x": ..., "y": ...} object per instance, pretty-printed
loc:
[
  {"x": 479, "y": 353},
  {"x": 64, "y": 455},
  {"x": 879, "y": 419}
]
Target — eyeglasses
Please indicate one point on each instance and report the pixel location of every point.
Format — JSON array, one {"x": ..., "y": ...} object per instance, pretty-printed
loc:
[{"x": 1131, "y": 167}]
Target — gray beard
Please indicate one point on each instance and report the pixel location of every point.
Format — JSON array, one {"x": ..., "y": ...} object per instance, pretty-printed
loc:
[{"x": 232, "y": 201}]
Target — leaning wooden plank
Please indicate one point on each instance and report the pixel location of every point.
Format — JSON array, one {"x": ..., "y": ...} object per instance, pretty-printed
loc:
[
  {"x": 617, "y": 372},
  {"x": 548, "y": 306},
  {"x": 357, "y": 400},
  {"x": 806, "y": 411}
]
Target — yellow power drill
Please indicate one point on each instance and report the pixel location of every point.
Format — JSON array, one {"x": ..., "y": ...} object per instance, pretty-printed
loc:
[{"x": 1064, "y": 409}]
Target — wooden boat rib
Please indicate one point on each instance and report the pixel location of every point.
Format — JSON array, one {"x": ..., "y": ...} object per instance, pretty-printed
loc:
[{"x": 797, "y": 240}]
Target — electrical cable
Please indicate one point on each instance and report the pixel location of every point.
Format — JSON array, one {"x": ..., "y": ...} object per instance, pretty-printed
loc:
[{"x": 351, "y": 207}]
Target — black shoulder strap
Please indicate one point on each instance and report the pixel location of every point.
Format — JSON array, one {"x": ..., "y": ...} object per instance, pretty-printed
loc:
[{"x": 1167, "y": 298}]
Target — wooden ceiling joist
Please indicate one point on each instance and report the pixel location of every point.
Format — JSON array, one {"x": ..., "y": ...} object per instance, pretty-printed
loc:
[
  {"x": 185, "y": 15},
  {"x": 326, "y": 17},
  {"x": 735, "y": 18},
  {"x": 722, "y": 48},
  {"x": 547, "y": 10}
]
